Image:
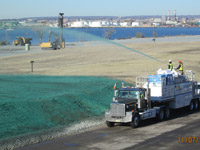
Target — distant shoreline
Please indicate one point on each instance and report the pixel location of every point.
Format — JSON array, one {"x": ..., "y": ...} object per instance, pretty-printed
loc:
[
  {"x": 93, "y": 34},
  {"x": 169, "y": 39},
  {"x": 27, "y": 27}
]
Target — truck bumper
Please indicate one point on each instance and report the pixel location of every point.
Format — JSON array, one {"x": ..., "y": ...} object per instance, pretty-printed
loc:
[{"x": 120, "y": 119}]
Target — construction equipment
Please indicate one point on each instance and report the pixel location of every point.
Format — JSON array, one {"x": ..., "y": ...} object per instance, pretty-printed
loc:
[
  {"x": 22, "y": 41},
  {"x": 153, "y": 97},
  {"x": 59, "y": 40},
  {"x": 51, "y": 45}
]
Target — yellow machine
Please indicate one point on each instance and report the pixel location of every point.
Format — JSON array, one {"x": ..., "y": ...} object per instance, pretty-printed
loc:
[
  {"x": 22, "y": 41},
  {"x": 53, "y": 45},
  {"x": 50, "y": 45},
  {"x": 59, "y": 40},
  {"x": 43, "y": 45}
]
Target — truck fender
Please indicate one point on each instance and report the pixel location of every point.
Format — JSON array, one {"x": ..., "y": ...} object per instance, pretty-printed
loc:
[{"x": 134, "y": 114}]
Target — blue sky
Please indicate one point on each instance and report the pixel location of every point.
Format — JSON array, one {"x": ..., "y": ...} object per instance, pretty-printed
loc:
[{"x": 35, "y": 8}]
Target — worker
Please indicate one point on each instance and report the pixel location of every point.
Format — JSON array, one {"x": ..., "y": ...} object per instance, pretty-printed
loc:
[
  {"x": 170, "y": 65},
  {"x": 180, "y": 67},
  {"x": 141, "y": 95}
]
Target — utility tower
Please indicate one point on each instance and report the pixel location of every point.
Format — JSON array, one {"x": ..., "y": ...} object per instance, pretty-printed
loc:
[
  {"x": 168, "y": 16},
  {"x": 60, "y": 24},
  {"x": 175, "y": 19}
]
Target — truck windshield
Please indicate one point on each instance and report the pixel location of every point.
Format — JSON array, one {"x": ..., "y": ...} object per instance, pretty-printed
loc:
[
  {"x": 129, "y": 94},
  {"x": 123, "y": 94},
  {"x": 134, "y": 94}
]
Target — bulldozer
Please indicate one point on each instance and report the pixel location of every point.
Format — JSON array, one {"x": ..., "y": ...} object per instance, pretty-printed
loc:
[{"x": 22, "y": 41}]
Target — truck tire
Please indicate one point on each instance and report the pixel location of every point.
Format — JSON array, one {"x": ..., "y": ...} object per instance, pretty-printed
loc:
[
  {"x": 160, "y": 116},
  {"x": 135, "y": 121},
  {"x": 110, "y": 124},
  {"x": 191, "y": 107},
  {"x": 198, "y": 100},
  {"x": 167, "y": 113},
  {"x": 196, "y": 104}
]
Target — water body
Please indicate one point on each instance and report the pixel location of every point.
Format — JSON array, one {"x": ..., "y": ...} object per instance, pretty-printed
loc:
[{"x": 120, "y": 33}]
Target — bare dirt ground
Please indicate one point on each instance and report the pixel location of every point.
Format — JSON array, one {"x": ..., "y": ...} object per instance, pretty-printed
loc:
[
  {"x": 152, "y": 136},
  {"x": 103, "y": 60}
]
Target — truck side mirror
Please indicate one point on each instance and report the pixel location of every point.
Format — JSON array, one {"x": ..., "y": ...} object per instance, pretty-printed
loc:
[
  {"x": 147, "y": 94},
  {"x": 115, "y": 93}
]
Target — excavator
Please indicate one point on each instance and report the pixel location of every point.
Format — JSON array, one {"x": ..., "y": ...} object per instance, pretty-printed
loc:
[
  {"x": 57, "y": 44},
  {"x": 51, "y": 45},
  {"x": 22, "y": 41},
  {"x": 59, "y": 40}
]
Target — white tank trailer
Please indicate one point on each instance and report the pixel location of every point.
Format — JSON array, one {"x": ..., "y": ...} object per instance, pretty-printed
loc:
[{"x": 153, "y": 97}]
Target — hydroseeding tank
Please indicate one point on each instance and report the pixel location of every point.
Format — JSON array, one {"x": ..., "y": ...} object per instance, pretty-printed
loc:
[{"x": 153, "y": 97}]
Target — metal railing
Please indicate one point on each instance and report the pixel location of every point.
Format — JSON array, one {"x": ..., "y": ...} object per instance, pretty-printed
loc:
[
  {"x": 190, "y": 75},
  {"x": 142, "y": 81}
]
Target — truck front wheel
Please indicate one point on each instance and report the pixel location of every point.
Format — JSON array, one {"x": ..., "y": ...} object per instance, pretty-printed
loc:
[
  {"x": 135, "y": 122},
  {"x": 110, "y": 124}
]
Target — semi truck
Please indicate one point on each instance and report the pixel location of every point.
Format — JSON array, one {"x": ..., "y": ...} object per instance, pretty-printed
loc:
[{"x": 153, "y": 96}]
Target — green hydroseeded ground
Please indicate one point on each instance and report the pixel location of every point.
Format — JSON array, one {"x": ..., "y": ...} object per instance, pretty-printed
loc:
[{"x": 33, "y": 103}]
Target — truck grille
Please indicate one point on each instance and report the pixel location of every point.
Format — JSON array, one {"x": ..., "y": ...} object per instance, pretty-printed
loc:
[{"x": 117, "y": 110}]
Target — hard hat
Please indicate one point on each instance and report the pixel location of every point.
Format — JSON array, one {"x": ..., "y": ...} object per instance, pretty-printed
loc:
[
  {"x": 170, "y": 61},
  {"x": 180, "y": 61}
]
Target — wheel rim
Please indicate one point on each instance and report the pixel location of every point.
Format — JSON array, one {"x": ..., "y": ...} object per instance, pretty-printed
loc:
[
  {"x": 161, "y": 115},
  {"x": 135, "y": 121},
  {"x": 196, "y": 105},
  {"x": 167, "y": 113},
  {"x": 191, "y": 106}
]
